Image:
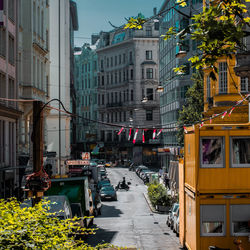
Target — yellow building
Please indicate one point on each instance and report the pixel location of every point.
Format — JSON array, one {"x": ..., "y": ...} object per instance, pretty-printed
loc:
[{"x": 214, "y": 175}]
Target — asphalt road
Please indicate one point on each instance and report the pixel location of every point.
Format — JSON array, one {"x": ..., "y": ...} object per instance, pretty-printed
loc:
[{"x": 129, "y": 221}]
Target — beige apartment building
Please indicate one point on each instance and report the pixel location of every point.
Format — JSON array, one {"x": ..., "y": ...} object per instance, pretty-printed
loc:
[{"x": 9, "y": 113}]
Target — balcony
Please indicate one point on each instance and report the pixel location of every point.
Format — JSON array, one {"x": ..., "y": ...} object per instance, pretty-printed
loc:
[{"x": 114, "y": 104}]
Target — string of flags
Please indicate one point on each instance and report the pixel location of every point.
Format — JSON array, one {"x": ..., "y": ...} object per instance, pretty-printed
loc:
[{"x": 156, "y": 134}]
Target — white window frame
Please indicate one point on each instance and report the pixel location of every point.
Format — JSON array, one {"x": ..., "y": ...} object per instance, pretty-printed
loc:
[
  {"x": 224, "y": 221},
  {"x": 208, "y": 87},
  {"x": 223, "y": 81},
  {"x": 231, "y": 222},
  {"x": 232, "y": 165},
  {"x": 222, "y": 165},
  {"x": 244, "y": 82}
]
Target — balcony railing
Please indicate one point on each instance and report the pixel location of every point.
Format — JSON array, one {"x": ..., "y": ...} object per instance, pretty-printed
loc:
[{"x": 114, "y": 104}]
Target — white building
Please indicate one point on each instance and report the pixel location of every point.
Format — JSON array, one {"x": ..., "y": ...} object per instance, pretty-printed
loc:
[
  {"x": 33, "y": 63},
  {"x": 58, "y": 123},
  {"x": 128, "y": 65}
]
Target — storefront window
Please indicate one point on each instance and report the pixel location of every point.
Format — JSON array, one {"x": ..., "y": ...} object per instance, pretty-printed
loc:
[
  {"x": 213, "y": 220},
  {"x": 240, "y": 151},
  {"x": 212, "y": 150},
  {"x": 240, "y": 220}
]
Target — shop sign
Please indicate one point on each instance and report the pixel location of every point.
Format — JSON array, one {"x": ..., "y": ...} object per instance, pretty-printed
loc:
[
  {"x": 77, "y": 162},
  {"x": 85, "y": 156}
]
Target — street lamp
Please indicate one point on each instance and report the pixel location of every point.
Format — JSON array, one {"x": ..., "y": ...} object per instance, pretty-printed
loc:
[{"x": 160, "y": 89}]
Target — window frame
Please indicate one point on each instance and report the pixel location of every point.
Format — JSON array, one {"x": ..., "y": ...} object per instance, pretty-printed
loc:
[
  {"x": 232, "y": 165},
  {"x": 222, "y": 165},
  {"x": 224, "y": 225},
  {"x": 149, "y": 55},
  {"x": 231, "y": 222}
]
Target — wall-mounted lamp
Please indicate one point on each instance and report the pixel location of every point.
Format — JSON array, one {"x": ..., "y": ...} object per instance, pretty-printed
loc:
[
  {"x": 144, "y": 100},
  {"x": 181, "y": 54},
  {"x": 160, "y": 89}
]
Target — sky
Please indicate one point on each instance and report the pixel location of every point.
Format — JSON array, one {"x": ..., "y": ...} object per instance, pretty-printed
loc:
[{"x": 94, "y": 15}]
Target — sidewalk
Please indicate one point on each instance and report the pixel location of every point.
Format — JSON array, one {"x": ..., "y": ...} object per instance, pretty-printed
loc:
[{"x": 153, "y": 210}]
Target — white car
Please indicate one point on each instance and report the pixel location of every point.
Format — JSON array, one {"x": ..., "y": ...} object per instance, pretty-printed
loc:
[
  {"x": 170, "y": 216},
  {"x": 176, "y": 222}
]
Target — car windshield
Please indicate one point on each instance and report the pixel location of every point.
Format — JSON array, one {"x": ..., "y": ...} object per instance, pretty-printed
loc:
[
  {"x": 175, "y": 207},
  {"x": 107, "y": 188}
]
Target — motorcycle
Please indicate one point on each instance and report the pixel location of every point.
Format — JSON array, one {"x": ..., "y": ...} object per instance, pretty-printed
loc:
[{"x": 122, "y": 186}]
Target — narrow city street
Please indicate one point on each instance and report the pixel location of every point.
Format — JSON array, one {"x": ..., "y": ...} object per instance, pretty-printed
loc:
[{"x": 129, "y": 221}]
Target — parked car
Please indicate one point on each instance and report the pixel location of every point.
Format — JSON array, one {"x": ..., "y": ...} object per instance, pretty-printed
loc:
[
  {"x": 170, "y": 215},
  {"x": 58, "y": 205},
  {"x": 139, "y": 169},
  {"x": 108, "y": 192},
  {"x": 104, "y": 182},
  {"x": 176, "y": 222}
]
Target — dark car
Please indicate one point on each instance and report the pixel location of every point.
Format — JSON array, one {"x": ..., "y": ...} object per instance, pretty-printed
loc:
[{"x": 108, "y": 192}]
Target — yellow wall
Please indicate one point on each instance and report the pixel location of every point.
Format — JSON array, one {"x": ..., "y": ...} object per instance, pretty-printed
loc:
[
  {"x": 232, "y": 95},
  {"x": 181, "y": 203},
  {"x": 227, "y": 240},
  {"x": 191, "y": 231}
]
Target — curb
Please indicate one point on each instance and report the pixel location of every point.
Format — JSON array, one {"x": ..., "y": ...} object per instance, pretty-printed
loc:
[{"x": 149, "y": 204}]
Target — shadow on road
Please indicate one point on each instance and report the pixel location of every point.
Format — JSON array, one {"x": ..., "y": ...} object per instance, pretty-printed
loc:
[
  {"x": 101, "y": 236},
  {"x": 110, "y": 211}
]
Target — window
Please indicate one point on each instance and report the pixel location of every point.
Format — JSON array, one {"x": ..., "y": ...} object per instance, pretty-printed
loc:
[
  {"x": 103, "y": 98},
  {"x": 11, "y": 8},
  {"x": 150, "y": 94},
  {"x": 208, "y": 87},
  {"x": 148, "y": 31},
  {"x": 120, "y": 59},
  {"x": 130, "y": 57},
  {"x": 111, "y": 61},
  {"x": 149, "y": 115},
  {"x": 42, "y": 25},
  {"x": 132, "y": 95},
  {"x": 213, "y": 220},
  {"x": 124, "y": 116},
  {"x": 124, "y": 58},
  {"x": 115, "y": 60},
  {"x": 149, "y": 73},
  {"x": 240, "y": 151},
  {"x": 222, "y": 77},
  {"x": 244, "y": 86},
  {"x": 101, "y": 65},
  {"x": 240, "y": 220},
  {"x": 2, "y": 87},
  {"x": 34, "y": 17},
  {"x": 142, "y": 73},
  {"x": 102, "y": 80},
  {"x": 149, "y": 55},
  {"x": 107, "y": 62},
  {"x": 2, "y": 42},
  {"x": 131, "y": 74},
  {"x": 212, "y": 151},
  {"x": 11, "y": 50}
]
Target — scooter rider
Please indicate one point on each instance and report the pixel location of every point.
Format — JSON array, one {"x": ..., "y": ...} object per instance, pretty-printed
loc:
[{"x": 123, "y": 184}]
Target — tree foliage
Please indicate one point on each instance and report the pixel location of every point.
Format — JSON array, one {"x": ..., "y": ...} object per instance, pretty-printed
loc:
[
  {"x": 157, "y": 194},
  {"x": 192, "y": 111},
  {"x": 37, "y": 228},
  {"x": 218, "y": 30}
]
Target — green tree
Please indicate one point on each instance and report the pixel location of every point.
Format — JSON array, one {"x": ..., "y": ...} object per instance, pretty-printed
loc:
[
  {"x": 37, "y": 228},
  {"x": 218, "y": 30},
  {"x": 192, "y": 111}
]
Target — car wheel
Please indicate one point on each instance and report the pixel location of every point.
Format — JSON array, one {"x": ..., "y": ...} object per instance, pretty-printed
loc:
[{"x": 99, "y": 211}]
